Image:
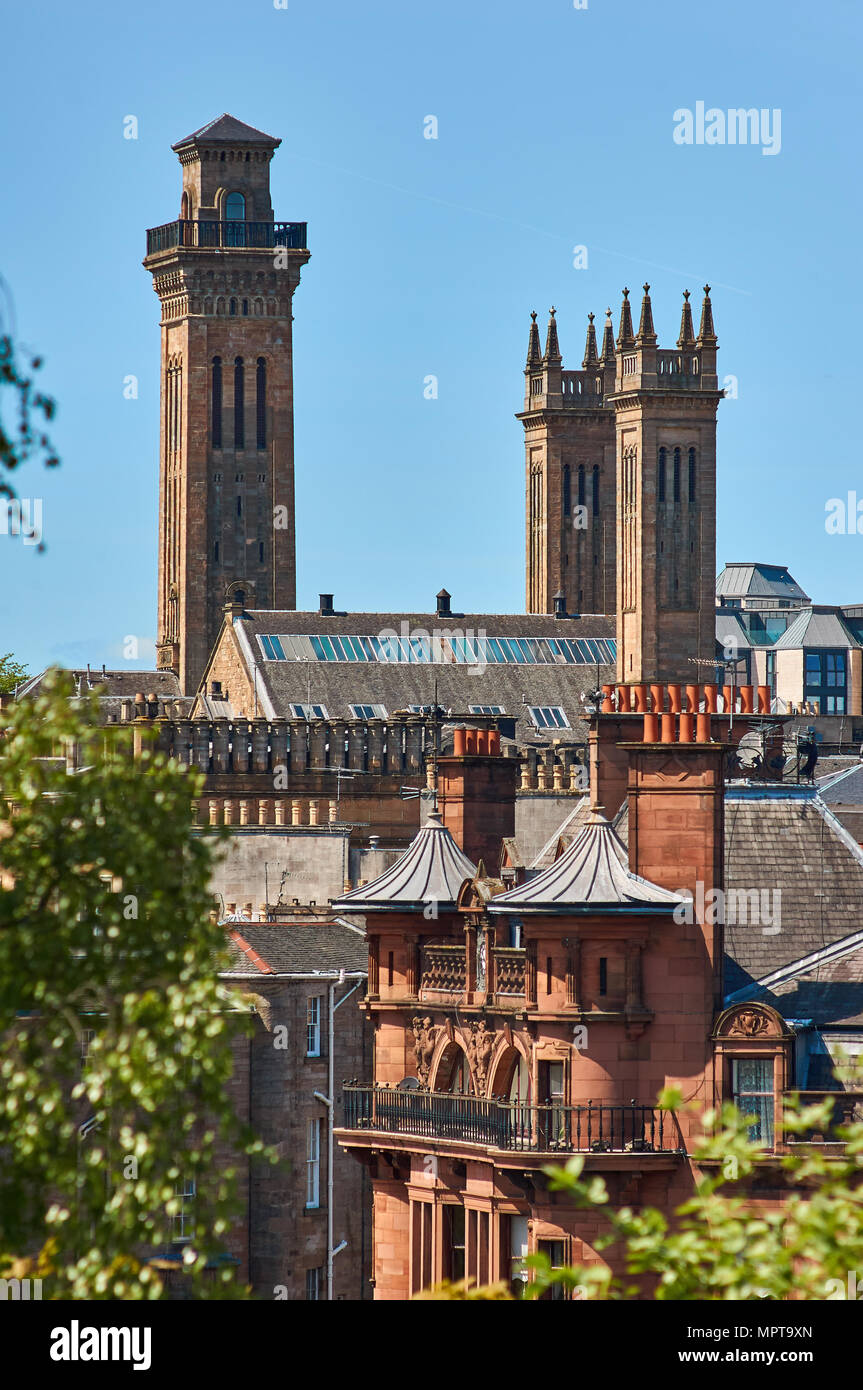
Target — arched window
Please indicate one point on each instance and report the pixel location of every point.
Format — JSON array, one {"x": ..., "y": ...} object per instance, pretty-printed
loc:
[
  {"x": 596, "y": 489},
  {"x": 677, "y": 475},
  {"x": 239, "y": 416},
  {"x": 660, "y": 486},
  {"x": 261, "y": 399},
  {"x": 235, "y": 216},
  {"x": 233, "y": 306},
  {"x": 692, "y": 475},
  {"x": 245, "y": 306},
  {"x": 567, "y": 491},
  {"x": 581, "y": 485},
  {"x": 216, "y": 403}
]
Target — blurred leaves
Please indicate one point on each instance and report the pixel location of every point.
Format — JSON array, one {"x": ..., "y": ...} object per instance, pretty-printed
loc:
[{"x": 137, "y": 993}]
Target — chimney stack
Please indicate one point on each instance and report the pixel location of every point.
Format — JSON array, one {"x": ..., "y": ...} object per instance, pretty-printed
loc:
[{"x": 325, "y": 606}]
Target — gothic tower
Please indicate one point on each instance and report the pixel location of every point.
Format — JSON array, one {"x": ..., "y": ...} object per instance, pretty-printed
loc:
[
  {"x": 570, "y": 471},
  {"x": 225, "y": 273},
  {"x": 665, "y": 406}
]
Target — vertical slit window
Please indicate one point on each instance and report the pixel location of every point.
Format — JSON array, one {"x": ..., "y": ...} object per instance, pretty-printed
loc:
[
  {"x": 261, "y": 388},
  {"x": 596, "y": 489},
  {"x": 567, "y": 490},
  {"x": 661, "y": 479},
  {"x": 581, "y": 485},
  {"x": 239, "y": 415},
  {"x": 692, "y": 475},
  {"x": 216, "y": 400},
  {"x": 677, "y": 475}
]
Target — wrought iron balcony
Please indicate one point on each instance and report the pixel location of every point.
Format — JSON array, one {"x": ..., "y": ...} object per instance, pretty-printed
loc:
[
  {"x": 498, "y": 1124},
  {"x": 254, "y": 235}
]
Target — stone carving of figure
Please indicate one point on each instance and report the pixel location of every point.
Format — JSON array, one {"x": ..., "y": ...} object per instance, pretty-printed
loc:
[
  {"x": 479, "y": 1049},
  {"x": 425, "y": 1037}
]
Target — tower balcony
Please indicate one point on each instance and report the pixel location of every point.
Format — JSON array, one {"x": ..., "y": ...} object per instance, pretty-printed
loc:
[
  {"x": 512, "y": 1126},
  {"x": 206, "y": 235}
]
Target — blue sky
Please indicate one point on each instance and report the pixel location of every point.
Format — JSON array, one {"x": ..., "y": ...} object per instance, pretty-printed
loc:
[{"x": 555, "y": 129}]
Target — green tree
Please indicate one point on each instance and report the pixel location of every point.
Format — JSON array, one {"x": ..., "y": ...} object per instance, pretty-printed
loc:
[
  {"x": 108, "y": 954},
  {"x": 12, "y": 673},
  {"x": 719, "y": 1244}
]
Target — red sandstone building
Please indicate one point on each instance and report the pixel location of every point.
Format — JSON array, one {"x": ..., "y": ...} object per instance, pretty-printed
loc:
[{"x": 515, "y": 1025}]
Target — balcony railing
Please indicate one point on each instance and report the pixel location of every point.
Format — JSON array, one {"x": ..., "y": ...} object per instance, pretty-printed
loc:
[
  {"x": 847, "y": 1109},
  {"x": 498, "y": 1124},
  {"x": 444, "y": 968},
  {"x": 256, "y": 235}
]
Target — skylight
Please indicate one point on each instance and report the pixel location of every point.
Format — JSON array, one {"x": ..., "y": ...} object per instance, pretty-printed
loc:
[{"x": 468, "y": 649}]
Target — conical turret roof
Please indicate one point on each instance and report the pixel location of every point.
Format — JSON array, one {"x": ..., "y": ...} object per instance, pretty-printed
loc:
[
  {"x": 431, "y": 870},
  {"x": 591, "y": 876}
]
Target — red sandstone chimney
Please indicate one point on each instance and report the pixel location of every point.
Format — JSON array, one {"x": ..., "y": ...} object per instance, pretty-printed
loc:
[
  {"x": 676, "y": 826},
  {"x": 476, "y": 794}
]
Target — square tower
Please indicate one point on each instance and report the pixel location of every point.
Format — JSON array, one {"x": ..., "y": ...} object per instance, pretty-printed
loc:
[
  {"x": 570, "y": 474},
  {"x": 225, "y": 273},
  {"x": 665, "y": 404}
]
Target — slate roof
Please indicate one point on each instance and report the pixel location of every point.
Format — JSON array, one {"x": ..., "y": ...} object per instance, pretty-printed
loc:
[
  {"x": 592, "y": 875},
  {"x": 565, "y": 834},
  {"x": 829, "y": 992},
  {"x": 729, "y": 624},
  {"x": 785, "y": 841},
  {"x": 125, "y": 684},
  {"x": 296, "y": 946},
  {"x": 817, "y": 627},
  {"x": 337, "y": 685},
  {"x": 843, "y": 788},
  {"x": 432, "y": 869},
  {"x": 752, "y": 579},
  {"x": 227, "y": 130}
]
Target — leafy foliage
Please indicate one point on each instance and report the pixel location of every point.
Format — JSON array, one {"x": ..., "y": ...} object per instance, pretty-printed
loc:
[
  {"x": 108, "y": 954},
  {"x": 12, "y": 673}
]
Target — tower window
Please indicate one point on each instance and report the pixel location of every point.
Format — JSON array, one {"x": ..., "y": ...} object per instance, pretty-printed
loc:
[
  {"x": 216, "y": 425},
  {"x": 567, "y": 490},
  {"x": 239, "y": 506},
  {"x": 661, "y": 479},
  {"x": 233, "y": 306},
  {"x": 261, "y": 551},
  {"x": 216, "y": 552},
  {"x": 596, "y": 489},
  {"x": 677, "y": 475},
  {"x": 581, "y": 485},
  {"x": 239, "y": 419},
  {"x": 692, "y": 475},
  {"x": 603, "y": 974},
  {"x": 261, "y": 398},
  {"x": 235, "y": 215},
  {"x": 245, "y": 306}
]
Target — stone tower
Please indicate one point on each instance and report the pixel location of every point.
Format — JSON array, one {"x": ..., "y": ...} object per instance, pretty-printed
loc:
[
  {"x": 665, "y": 412},
  {"x": 225, "y": 273},
  {"x": 570, "y": 474}
]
